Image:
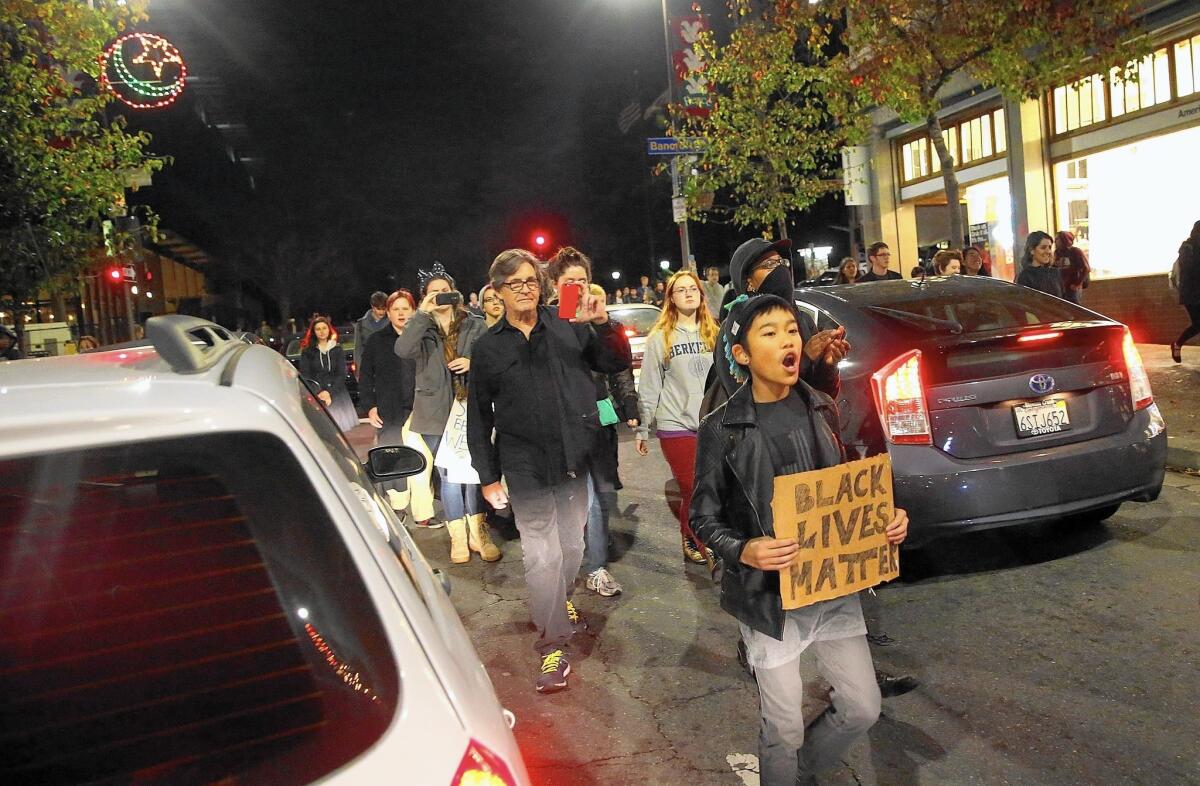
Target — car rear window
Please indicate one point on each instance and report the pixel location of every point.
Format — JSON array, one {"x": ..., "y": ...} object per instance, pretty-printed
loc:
[
  {"x": 181, "y": 611},
  {"x": 639, "y": 319},
  {"x": 993, "y": 309}
]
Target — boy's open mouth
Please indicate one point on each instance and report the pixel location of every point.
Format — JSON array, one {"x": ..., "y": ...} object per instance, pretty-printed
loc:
[{"x": 791, "y": 362}]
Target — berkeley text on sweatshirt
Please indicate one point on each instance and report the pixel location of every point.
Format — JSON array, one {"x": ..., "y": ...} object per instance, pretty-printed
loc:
[{"x": 672, "y": 382}]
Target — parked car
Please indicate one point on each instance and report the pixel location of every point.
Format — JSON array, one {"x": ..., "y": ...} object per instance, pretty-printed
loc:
[
  {"x": 826, "y": 278},
  {"x": 998, "y": 404},
  {"x": 202, "y": 584},
  {"x": 637, "y": 319},
  {"x": 346, "y": 341}
]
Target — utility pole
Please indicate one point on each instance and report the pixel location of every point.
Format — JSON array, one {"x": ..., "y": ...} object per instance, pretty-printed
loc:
[{"x": 685, "y": 241}]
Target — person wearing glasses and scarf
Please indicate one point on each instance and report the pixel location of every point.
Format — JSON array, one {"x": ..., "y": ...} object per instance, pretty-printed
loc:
[{"x": 439, "y": 339}]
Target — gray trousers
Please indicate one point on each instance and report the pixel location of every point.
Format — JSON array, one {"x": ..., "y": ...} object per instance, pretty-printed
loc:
[
  {"x": 785, "y": 752},
  {"x": 551, "y": 522}
]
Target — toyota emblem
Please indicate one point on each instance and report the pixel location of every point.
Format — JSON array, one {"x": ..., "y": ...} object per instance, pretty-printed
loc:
[{"x": 1041, "y": 383}]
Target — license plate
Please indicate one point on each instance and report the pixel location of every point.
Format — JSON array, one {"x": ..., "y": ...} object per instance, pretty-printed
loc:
[{"x": 1042, "y": 417}]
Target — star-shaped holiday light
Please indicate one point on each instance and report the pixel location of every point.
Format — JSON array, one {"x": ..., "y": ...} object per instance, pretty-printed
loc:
[{"x": 156, "y": 53}]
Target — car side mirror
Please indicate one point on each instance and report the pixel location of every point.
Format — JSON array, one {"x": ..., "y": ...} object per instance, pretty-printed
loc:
[{"x": 394, "y": 461}]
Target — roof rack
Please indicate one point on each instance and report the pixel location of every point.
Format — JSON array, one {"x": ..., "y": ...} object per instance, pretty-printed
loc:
[{"x": 189, "y": 344}]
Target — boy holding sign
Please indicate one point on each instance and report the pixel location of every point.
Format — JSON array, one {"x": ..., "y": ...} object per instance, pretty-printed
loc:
[{"x": 768, "y": 429}]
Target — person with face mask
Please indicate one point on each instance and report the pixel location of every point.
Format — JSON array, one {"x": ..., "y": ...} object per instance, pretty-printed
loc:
[{"x": 761, "y": 267}]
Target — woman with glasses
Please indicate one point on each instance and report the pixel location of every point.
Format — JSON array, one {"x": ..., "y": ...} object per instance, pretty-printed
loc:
[
  {"x": 493, "y": 306},
  {"x": 439, "y": 338},
  {"x": 678, "y": 356}
]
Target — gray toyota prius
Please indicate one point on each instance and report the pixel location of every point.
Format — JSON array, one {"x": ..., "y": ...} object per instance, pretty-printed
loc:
[{"x": 998, "y": 404}]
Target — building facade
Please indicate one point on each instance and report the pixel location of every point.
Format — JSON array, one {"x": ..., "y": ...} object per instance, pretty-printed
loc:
[{"x": 1115, "y": 162}]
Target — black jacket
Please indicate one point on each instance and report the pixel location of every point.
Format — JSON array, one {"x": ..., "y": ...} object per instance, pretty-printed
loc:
[
  {"x": 502, "y": 398},
  {"x": 1189, "y": 274},
  {"x": 1044, "y": 279},
  {"x": 386, "y": 381},
  {"x": 731, "y": 504},
  {"x": 330, "y": 373}
]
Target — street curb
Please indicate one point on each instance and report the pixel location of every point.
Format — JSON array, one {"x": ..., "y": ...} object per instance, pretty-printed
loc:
[{"x": 1183, "y": 458}]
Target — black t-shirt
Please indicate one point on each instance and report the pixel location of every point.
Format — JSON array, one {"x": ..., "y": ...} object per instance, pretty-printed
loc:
[
  {"x": 891, "y": 275},
  {"x": 791, "y": 438}
]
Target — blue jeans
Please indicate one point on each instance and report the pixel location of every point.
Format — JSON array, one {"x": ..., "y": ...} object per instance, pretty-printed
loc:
[
  {"x": 459, "y": 500},
  {"x": 602, "y": 501}
]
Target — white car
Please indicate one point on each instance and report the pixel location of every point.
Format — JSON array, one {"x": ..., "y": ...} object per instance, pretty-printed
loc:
[
  {"x": 637, "y": 319},
  {"x": 201, "y": 584}
]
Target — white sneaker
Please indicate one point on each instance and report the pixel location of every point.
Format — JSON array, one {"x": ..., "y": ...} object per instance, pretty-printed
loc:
[{"x": 602, "y": 583}]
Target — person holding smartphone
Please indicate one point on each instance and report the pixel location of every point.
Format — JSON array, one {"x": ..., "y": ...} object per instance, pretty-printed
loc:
[
  {"x": 439, "y": 339},
  {"x": 570, "y": 271}
]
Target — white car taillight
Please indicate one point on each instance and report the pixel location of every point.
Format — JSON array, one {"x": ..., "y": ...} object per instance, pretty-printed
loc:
[
  {"x": 900, "y": 400},
  {"x": 481, "y": 767},
  {"x": 1139, "y": 382}
]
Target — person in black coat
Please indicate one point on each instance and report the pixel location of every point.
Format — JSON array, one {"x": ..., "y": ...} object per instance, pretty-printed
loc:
[
  {"x": 387, "y": 381},
  {"x": 323, "y": 362},
  {"x": 1188, "y": 284},
  {"x": 1037, "y": 265}
]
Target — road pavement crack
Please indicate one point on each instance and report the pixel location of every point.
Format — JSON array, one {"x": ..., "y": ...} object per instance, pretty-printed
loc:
[{"x": 853, "y": 774}]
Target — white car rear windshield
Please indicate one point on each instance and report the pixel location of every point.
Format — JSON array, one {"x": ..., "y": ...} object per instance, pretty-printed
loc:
[{"x": 181, "y": 611}]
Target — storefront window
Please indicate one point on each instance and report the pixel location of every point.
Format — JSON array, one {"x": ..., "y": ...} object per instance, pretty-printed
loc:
[
  {"x": 1187, "y": 66},
  {"x": 1130, "y": 206},
  {"x": 1149, "y": 86},
  {"x": 989, "y": 214}
]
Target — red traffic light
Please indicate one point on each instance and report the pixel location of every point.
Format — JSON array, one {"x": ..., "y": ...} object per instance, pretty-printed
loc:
[
  {"x": 114, "y": 274},
  {"x": 539, "y": 240}
]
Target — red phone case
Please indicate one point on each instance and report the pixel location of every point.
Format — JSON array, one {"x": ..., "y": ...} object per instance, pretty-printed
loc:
[{"x": 568, "y": 300}]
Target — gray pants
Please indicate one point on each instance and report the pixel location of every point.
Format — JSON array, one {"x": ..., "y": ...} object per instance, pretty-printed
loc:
[
  {"x": 551, "y": 522},
  {"x": 785, "y": 753}
]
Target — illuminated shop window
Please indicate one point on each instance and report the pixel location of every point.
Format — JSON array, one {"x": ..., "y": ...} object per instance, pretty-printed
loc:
[
  {"x": 1151, "y": 85},
  {"x": 1187, "y": 66}
]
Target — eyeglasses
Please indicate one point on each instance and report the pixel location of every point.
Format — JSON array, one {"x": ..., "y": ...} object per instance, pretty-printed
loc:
[
  {"x": 490, "y": 299},
  {"x": 768, "y": 264},
  {"x": 686, "y": 291},
  {"x": 528, "y": 285}
]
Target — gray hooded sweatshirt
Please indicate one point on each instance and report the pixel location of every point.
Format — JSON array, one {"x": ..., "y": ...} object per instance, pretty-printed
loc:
[{"x": 672, "y": 382}]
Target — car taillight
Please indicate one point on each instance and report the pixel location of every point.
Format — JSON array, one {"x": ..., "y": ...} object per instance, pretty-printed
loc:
[
  {"x": 481, "y": 767},
  {"x": 630, "y": 333},
  {"x": 352, "y": 368},
  {"x": 1139, "y": 382},
  {"x": 900, "y": 400}
]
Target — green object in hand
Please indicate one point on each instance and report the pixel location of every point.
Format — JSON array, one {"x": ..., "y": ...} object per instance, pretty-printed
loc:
[{"x": 608, "y": 412}]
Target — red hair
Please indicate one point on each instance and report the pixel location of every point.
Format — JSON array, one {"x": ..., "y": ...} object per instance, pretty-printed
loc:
[
  {"x": 397, "y": 295},
  {"x": 310, "y": 337}
]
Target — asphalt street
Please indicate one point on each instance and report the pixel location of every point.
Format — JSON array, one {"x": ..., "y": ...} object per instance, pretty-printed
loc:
[{"x": 1046, "y": 655}]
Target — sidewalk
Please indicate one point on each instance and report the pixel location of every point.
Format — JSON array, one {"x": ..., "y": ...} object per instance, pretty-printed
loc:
[{"x": 1177, "y": 393}]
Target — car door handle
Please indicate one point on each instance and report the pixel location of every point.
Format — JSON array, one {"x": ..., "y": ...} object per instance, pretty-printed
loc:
[{"x": 441, "y": 576}]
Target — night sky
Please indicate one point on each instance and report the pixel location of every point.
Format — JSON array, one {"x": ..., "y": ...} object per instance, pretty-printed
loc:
[{"x": 402, "y": 132}]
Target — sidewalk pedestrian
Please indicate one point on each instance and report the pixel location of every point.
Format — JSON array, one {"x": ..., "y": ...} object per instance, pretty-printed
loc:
[
  {"x": 772, "y": 426},
  {"x": 660, "y": 294},
  {"x": 1072, "y": 265},
  {"x": 973, "y": 262},
  {"x": 532, "y": 386},
  {"x": 324, "y": 363},
  {"x": 616, "y": 401},
  {"x": 675, "y": 365},
  {"x": 714, "y": 292},
  {"x": 947, "y": 262},
  {"x": 375, "y": 318},
  {"x": 439, "y": 339},
  {"x": 847, "y": 271},
  {"x": 10, "y": 348},
  {"x": 880, "y": 257},
  {"x": 1037, "y": 265},
  {"x": 1188, "y": 284}
]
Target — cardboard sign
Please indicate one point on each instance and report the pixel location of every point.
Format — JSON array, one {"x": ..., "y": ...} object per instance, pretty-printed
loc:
[{"x": 839, "y": 515}]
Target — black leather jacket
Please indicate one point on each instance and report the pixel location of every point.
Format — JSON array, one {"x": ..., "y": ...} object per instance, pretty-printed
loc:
[{"x": 731, "y": 504}]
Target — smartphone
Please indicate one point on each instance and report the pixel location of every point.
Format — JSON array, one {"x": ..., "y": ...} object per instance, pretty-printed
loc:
[
  {"x": 568, "y": 300},
  {"x": 447, "y": 299}
]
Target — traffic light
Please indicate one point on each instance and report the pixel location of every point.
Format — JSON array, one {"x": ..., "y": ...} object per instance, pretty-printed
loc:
[
  {"x": 540, "y": 241},
  {"x": 113, "y": 274}
]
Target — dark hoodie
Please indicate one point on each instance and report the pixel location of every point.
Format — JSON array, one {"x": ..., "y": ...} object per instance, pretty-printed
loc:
[
  {"x": 364, "y": 327},
  {"x": 1072, "y": 262}
]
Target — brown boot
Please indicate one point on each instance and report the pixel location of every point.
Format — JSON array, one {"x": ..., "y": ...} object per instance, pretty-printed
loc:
[
  {"x": 459, "y": 553},
  {"x": 479, "y": 539}
]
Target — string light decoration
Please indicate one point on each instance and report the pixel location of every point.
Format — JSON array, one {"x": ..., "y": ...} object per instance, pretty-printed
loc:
[{"x": 143, "y": 70}]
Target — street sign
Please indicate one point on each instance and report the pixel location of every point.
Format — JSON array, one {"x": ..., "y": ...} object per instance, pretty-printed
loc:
[
  {"x": 679, "y": 209},
  {"x": 670, "y": 146}
]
